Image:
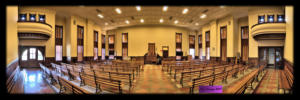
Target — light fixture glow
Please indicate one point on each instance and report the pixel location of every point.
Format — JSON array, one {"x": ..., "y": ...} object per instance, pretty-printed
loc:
[
  {"x": 176, "y": 21},
  {"x": 196, "y": 24},
  {"x": 127, "y": 22},
  {"x": 118, "y": 10},
  {"x": 203, "y": 16},
  {"x": 138, "y": 8},
  {"x": 142, "y": 20},
  {"x": 185, "y": 11},
  {"x": 100, "y": 15},
  {"x": 165, "y": 8},
  {"x": 161, "y": 20},
  {"x": 106, "y": 23}
]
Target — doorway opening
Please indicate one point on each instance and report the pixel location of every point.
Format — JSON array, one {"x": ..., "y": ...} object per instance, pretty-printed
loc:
[
  {"x": 31, "y": 56},
  {"x": 272, "y": 56}
]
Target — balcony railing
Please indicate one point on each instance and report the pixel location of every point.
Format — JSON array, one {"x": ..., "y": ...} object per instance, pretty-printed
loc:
[{"x": 265, "y": 23}]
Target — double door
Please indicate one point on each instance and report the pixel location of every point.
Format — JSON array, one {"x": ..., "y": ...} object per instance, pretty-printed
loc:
[
  {"x": 273, "y": 56},
  {"x": 31, "y": 56}
]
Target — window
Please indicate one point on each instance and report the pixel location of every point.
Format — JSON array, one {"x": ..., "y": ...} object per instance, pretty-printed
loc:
[
  {"x": 124, "y": 44},
  {"x": 95, "y": 45},
  {"x": 95, "y": 53},
  {"x": 79, "y": 53},
  {"x": 200, "y": 53},
  {"x": 261, "y": 19},
  {"x": 207, "y": 36},
  {"x": 22, "y": 17},
  {"x": 271, "y": 18},
  {"x": 178, "y": 46},
  {"x": 280, "y": 18},
  {"x": 245, "y": 43},
  {"x": 192, "y": 52},
  {"x": 32, "y": 17},
  {"x": 42, "y": 18},
  {"x": 40, "y": 55},
  {"x": 103, "y": 54},
  {"x": 80, "y": 35},
  {"x": 58, "y": 54},
  {"x": 58, "y": 43},
  {"x": 32, "y": 52},
  {"x": 24, "y": 55},
  {"x": 207, "y": 53}
]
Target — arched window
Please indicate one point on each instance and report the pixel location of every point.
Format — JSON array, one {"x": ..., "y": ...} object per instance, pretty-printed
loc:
[
  {"x": 24, "y": 55},
  {"x": 40, "y": 55}
]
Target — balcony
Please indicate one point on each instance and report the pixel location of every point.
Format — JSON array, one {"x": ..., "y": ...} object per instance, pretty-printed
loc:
[
  {"x": 269, "y": 31},
  {"x": 34, "y": 30}
]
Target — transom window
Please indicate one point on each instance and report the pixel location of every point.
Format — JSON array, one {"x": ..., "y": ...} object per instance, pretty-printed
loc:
[
  {"x": 261, "y": 19},
  {"x": 42, "y": 18},
  {"x": 32, "y": 17},
  {"x": 22, "y": 17},
  {"x": 32, "y": 52},
  {"x": 280, "y": 18},
  {"x": 270, "y": 18}
]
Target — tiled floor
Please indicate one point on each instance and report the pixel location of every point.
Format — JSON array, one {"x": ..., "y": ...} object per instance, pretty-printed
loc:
[
  {"x": 34, "y": 82},
  {"x": 152, "y": 80},
  {"x": 269, "y": 84}
]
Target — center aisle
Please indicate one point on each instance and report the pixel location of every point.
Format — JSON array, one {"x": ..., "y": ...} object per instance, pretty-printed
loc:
[{"x": 153, "y": 80}]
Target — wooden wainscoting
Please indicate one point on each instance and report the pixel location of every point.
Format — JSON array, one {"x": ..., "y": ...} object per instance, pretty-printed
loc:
[{"x": 12, "y": 77}]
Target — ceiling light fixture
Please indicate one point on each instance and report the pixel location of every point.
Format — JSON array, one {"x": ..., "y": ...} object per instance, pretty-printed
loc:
[
  {"x": 142, "y": 20},
  {"x": 197, "y": 24},
  {"x": 161, "y": 20},
  {"x": 100, "y": 15},
  {"x": 176, "y": 21},
  {"x": 127, "y": 22},
  {"x": 118, "y": 10},
  {"x": 138, "y": 8},
  {"x": 106, "y": 23},
  {"x": 185, "y": 11},
  {"x": 165, "y": 8},
  {"x": 203, "y": 16}
]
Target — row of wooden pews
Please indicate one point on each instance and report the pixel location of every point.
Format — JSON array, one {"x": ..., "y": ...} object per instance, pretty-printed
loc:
[
  {"x": 286, "y": 79},
  {"x": 111, "y": 77}
]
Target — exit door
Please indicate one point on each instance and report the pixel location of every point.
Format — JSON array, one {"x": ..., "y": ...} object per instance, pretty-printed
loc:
[
  {"x": 272, "y": 56},
  {"x": 31, "y": 56}
]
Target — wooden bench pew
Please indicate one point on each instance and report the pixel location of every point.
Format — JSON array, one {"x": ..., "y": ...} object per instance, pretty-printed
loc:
[{"x": 68, "y": 87}]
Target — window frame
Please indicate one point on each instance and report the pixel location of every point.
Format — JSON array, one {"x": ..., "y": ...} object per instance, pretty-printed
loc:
[
  {"x": 44, "y": 21},
  {"x": 34, "y": 18},
  {"x": 263, "y": 16},
  {"x": 61, "y": 40},
  {"x": 268, "y": 20}
]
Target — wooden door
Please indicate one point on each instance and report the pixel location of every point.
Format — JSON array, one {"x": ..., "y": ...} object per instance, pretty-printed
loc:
[{"x": 151, "y": 49}]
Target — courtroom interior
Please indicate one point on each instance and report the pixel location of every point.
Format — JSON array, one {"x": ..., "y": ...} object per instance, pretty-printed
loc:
[{"x": 141, "y": 49}]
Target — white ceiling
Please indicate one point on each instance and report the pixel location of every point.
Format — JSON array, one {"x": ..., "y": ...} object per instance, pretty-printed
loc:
[{"x": 150, "y": 14}]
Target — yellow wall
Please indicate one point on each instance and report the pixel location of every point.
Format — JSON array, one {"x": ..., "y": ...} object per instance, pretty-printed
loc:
[
  {"x": 11, "y": 34},
  {"x": 289, "y": 38},
  {"x": 140, "y": 36}
]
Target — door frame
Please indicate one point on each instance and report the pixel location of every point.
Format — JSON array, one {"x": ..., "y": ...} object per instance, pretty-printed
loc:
[
  {"x": 282, "y": 53},
  {"x": 21, "y": 49}
]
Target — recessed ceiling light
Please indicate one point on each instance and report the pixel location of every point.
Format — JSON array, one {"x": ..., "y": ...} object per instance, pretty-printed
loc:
[
  {"x": 196, "y": 24},
  {"x": 142, "y": 20},
  {"x": 106, "y": 23},
  {"x": 176, "y": 21},
  {"x": 203, "y": 16},
  {"x": 165, "y": 8},
  {"x": 161, "y": 20},
  {"x": 127, "y": 22},
  {"x": 222, "y": 6},
  {"x": 138, "y": 8},
  {"x": 100, "y": 15},
  {"x": 185, "y": 10},
  {"x": 118, "y": 10}
]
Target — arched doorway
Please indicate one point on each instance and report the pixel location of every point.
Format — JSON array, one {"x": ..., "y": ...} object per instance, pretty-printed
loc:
[{"x": 31, "y": 56}]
